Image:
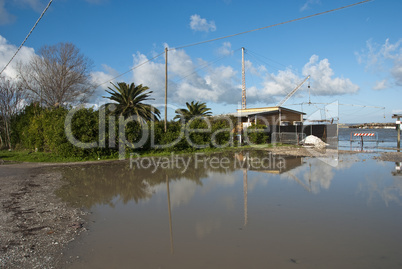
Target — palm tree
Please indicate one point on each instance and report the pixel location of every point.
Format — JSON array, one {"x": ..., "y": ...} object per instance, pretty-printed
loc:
[
  {"x": 196, "y": 109},
  {"x": 129, "y": 101}
]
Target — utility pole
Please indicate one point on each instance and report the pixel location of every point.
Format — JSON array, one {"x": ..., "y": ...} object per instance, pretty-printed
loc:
[
  {"x": 166, "y": 85},
  {"x": 243, "y": 81},
  {"x": 398, "y": 128}
]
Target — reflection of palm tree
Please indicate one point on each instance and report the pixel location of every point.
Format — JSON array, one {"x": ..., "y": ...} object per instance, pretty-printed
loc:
[
  {"x": 129, "y": 100},
  {"x": 101, "y": 184},
  {"x": 196, "y": 109}
]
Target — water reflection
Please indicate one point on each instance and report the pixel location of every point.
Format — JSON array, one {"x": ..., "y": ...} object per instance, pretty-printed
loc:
[
  {"x": 379, "y": 185},
  {"x": 170, "y": 215},
  {"x": 101, "y": 184},
  {"x": 299, "y": 209}
]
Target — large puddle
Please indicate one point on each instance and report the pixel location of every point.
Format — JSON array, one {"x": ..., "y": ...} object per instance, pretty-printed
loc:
[{"x": 288, "y": 213}]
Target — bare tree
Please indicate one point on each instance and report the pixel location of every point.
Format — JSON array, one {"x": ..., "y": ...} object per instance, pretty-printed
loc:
[
  {"x": 58, "y": 75},
  {"x": 11, "y": 101}
]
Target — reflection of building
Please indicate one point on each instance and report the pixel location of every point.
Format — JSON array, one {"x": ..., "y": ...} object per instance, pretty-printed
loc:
[
  {"x": 280, "y": 165},
  {"x": 285, "y": 164}
]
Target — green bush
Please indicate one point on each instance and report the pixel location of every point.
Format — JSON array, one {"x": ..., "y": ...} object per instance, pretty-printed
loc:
[
  {"x": 257, "y": 134},
  {"x": 44, "y": 130}
]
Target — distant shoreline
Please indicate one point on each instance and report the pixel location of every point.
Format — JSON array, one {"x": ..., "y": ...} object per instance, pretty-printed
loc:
[{"x": 369, "y": 126}]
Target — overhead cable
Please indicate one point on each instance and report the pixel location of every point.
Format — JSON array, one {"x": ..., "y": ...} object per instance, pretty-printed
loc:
[
  {"x": 135, "y": 67},
  {"x": 270, "y": 26},
  {"x": 241, "y": 33},
  {"x": 23, "y": 42}
]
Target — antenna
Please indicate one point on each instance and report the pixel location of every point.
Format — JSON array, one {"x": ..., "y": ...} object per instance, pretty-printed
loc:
[
  {"x": 308, "y": 86},
  {"x": 243, "y": 80}
]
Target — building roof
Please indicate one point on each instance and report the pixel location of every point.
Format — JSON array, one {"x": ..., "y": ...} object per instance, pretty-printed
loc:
[
  {"x": 261, "y": 110},
  {"x": 397, "y": 116}
]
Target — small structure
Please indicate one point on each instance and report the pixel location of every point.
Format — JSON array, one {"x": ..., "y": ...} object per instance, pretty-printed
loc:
[
  {"x": 274, "y": 118},
  {"x": 269, "y": 116}
]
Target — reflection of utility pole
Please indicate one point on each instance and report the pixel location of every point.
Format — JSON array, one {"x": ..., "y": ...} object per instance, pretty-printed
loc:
[
  {"x": 170, "y": 215},
  {"x": 166, "y": 86},
  {"x": 245, "y": 196}
]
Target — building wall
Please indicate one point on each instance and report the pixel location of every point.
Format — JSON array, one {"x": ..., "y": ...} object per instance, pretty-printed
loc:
[
  {"x": 291, "y": 116},
  {"x": 272, "y": 119}
]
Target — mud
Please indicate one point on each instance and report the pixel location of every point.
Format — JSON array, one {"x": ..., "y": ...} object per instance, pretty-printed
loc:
[{"x": 35, "y": 225}]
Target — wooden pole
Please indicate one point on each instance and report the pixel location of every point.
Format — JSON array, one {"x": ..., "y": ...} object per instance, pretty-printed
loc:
[
  {"x": 398, "y": 129},
  {"x": 243, "y": 81},
  {"x": 166, "y": 86}
]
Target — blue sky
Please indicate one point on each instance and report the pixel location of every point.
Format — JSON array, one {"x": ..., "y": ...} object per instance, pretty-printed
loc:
[{"x": 354, "y": 56}]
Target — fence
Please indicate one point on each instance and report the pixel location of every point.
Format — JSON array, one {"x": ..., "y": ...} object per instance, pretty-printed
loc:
[
  {"x": 325, "y": 132},
  {"x": 287, "y": 137}
]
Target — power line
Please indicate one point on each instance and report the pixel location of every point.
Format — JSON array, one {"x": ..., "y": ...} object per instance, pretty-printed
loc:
[
  {"x": 241, "y": 33},
  {"x": 270, "y": 26},
  {"x": 135, "y": 67},
  {"x": 23, "y": 42},
  {"x": 205, "y": 65}
]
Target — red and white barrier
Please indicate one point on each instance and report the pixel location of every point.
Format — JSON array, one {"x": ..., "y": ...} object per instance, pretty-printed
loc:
[{"x": 364, "y": 134}]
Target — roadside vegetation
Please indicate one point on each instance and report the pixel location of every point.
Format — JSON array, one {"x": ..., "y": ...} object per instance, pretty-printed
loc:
[{"x": 43, "y": 117}]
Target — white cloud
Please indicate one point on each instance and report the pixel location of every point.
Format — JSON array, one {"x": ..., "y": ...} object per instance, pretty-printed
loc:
[
  {"x": 308, "y": 3},
  {"x": 185, "y": 83},
  {"x": 279, "y": 84},
  {"x": 151, "y": 74},
  {"x": 36, "y": 5},
  {"x": 222, "y": 84},
  {"x": 199, "y": 24},
  {"x": 226, "y": 49},
  {"x": 396, "y": 70},
  {"x": 5, "y": 17},
  {"x": 102, "y": 80},
  {"x": 384, "y": 60},
  {"x": 381, "y": 85},
  {"x": 7, "y": 51},
  {"x": 276, "y": 86},
  {"x": 322, "y": 77}
]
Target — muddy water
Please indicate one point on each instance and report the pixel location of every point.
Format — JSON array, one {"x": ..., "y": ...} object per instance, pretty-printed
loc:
[{"x": 287, "y": 213}]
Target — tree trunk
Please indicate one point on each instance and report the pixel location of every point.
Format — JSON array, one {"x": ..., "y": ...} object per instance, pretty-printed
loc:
[
  {"x": 1, "y": 141},
  {"x": 8, "y": 138}
]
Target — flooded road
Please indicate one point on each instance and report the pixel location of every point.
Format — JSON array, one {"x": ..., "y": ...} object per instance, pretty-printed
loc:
[{"x": 288, "y": 213}]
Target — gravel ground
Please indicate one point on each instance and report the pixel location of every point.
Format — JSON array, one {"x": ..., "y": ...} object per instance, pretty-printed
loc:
[
  {"x": 308, "y": 152},
  {"x": 390, "y": 157},
  {"x": 35, "y": 225}
]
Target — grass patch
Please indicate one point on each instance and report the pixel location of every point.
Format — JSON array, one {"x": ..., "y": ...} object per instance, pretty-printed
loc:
[{"x": 31, "y": 156}]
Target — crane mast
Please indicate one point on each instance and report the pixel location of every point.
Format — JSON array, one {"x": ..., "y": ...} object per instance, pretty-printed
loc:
[
  {"x": 243, "y": 81},
  {"x": 293, "y": 92}
]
